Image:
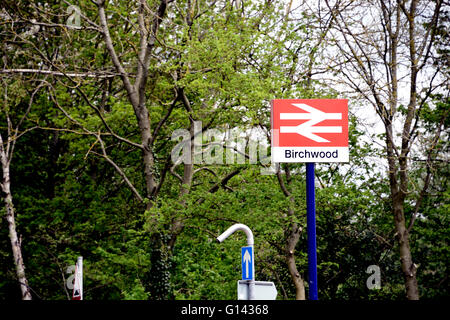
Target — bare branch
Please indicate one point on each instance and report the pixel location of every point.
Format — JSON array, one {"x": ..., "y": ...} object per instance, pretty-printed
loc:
[
  {"x": 206, "y": 169},
  {"x": 118, "y": 169},
  {"x": 115, "y": 59},
  {"x": 97, "y": 74},
  {"x": 225, "y": 180},
  {"x": 164, "y": 119},
  {"x": 429, "y": 173},
  {"x": 281, "y": 182}
]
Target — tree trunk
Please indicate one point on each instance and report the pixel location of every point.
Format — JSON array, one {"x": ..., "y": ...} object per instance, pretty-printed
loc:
[
  {"x": 15, "y": 242},
  {"x": 147, "y": 152},
  {"x": 16, "y": 249},
  {"x": 188, "y": 173},
  {"x": 292, "y": 238},
  {"x": 292, "y": 241},
  {"x": 398, "y": 195},
  {"x": 398, "y": 174},
  {"x": 409, "y": 269}
]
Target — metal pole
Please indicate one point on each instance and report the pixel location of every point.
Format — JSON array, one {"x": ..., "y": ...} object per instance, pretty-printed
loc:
[
  {"x": 311, "y": 226},
  {"x": 249, "y": 234},
  {"x": 234, "y": 228}
]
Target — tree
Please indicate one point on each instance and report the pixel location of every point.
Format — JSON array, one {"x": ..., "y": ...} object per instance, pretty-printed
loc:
[
  {"x": 93, "y": 171},
  {"x": 382, "y": 46},
  {"x": 12, "y": 102},
  {"x": 164, "y": 91}
]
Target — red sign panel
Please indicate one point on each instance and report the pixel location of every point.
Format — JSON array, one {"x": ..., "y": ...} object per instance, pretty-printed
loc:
[{"x": 310, "y": 130}]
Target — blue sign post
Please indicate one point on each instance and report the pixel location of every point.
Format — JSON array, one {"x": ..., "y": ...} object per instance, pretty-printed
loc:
[
  {"x": 311, "y": 229},
  {"x": 247, "y": 263}
]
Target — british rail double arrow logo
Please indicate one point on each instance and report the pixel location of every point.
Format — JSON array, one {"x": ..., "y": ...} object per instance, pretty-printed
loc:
[{"x": 309, "y": 129}]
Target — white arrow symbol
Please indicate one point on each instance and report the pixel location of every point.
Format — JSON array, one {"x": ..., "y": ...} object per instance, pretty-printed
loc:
[
  {"x": 247, "y": 259},
  {"x": 307, "y": 129}
]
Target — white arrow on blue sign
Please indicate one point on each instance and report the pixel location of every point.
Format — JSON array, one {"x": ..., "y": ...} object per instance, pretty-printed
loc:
[{"x": 247, "y": 263}]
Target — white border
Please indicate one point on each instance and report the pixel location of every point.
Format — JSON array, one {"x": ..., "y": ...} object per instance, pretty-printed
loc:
[{"x": 311, "y": 154}]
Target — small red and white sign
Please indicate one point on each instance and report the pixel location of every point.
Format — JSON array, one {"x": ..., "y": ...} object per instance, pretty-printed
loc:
[
  {"x": 77, "y": 293},
  {"x": 310, "y": 130}
]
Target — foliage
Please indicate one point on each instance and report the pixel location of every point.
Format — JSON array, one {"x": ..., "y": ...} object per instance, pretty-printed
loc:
[{"x": 229, "y": 62}]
